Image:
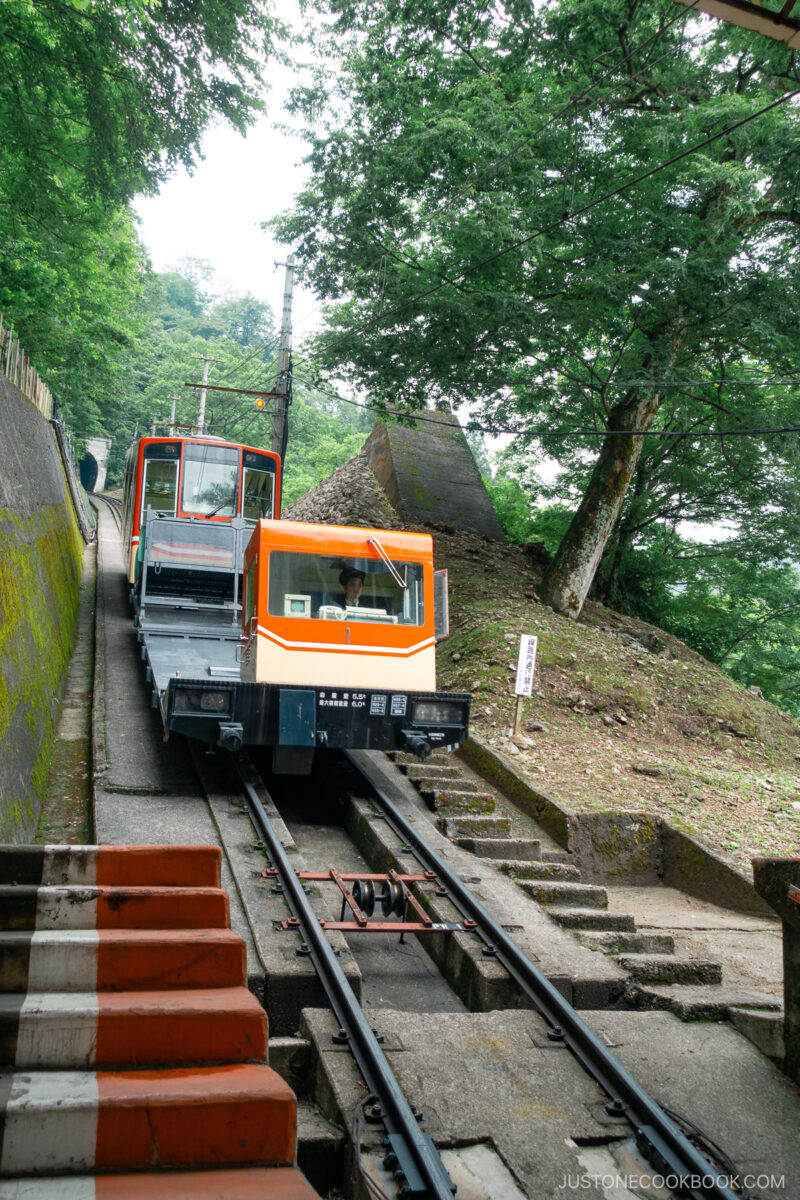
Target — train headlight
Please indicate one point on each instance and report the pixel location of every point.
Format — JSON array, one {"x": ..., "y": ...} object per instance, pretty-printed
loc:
[
  {"x": 197, "y": 700},
  {"x": 438, "y": 712}
]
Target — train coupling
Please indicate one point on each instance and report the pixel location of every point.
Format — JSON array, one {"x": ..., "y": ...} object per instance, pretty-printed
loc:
[
  {"x": 416, "y": 743},
  {"x": 231, "y": 737}
]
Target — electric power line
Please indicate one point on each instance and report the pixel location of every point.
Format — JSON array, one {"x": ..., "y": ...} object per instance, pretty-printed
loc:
[
  {"x": 569, "y": 106},
  {"x": 565, "y": 217},
  {"x": 545, "y": 432}
]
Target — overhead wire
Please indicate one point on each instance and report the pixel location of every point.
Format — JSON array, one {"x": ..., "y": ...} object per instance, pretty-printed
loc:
[
  {"x": 238, "y": 367},
  {"x": 568, "y": 107},
  {"x": 475, "y": 427},
  {"x": 553, "y": 225},
  {"x": 567, "y": 217}
]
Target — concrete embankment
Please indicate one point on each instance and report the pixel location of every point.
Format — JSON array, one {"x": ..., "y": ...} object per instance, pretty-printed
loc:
[{"x": 40, "y": 570}]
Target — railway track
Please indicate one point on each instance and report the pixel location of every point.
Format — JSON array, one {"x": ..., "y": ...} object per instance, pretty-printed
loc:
[
  {"x": 409, "y": 1153},
  {"x": 114, "y": 506}
]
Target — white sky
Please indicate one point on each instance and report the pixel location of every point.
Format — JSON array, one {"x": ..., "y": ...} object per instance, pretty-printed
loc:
[{"x": 215, "y": 213}]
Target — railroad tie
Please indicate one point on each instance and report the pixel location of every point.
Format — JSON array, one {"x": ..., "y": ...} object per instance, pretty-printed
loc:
[{"x": 128, "y": 1039}]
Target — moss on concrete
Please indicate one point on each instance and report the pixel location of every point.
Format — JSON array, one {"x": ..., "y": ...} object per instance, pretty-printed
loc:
[{"x": 40, "y": 555}]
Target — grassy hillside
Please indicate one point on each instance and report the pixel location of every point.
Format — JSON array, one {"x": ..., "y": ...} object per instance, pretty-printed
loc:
[{"x": 623, "y": 716}]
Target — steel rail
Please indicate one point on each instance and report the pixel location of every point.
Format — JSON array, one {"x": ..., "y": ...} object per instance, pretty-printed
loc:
[
  {"x": 658, "y": 1138},
  {"x": 424, "y": 1172},
  {"x": 114, "y": 507}
]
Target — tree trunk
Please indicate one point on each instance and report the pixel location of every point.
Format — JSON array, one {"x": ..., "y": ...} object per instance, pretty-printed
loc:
[
  {"x": 622, "y": 537},
  {"x": 569, "y": 576}
]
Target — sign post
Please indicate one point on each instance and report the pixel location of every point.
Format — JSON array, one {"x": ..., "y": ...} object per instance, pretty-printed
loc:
[{"x": 526, "y": 667}]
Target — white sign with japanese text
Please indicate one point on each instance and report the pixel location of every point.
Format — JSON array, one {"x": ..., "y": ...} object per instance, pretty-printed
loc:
[{"x": 526, "y": 664}]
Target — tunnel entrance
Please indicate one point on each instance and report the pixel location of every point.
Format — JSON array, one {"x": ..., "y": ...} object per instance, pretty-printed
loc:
[{"x": 88, "y": 469}]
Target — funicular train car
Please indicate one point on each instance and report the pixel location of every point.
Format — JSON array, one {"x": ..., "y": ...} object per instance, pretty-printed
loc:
[
  {"x": 257, "y": 631},
  {"x": 195, "y": 478}
]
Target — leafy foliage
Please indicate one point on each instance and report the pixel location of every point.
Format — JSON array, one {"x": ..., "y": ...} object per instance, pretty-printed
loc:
[
  {"x": 470, "y": 220},
  {"x": 99, "y": 102},
  {"x": 184, "y": 323}
]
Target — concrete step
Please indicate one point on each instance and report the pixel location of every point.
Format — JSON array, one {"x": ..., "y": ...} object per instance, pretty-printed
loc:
[
  {"x": 87, "y": 866},
  {"x": 516, "y": 849},
  {"x": 118, "y": 960},
  {"x": 430, "y": 772},
  {"x": 559, "y": 856},
  {"x": 525, "y": 869},
  {"x": 321, "y": 1149},
  {"x": 476, "y": 826},
  {"x": 764, "y": 1029},
  {"x": 459, "y": 801},
  {"x": 239, "y": 1183},
  {"x": 401, "y": 759},
  {"x": 697, "y": 1003},
  {"x": 593, "y": 918},
  {"x": 668, "y": 968},
  {"x": 565, "y": 894},
  {"x": 611, "y": 942},
  {"x": 29, "y": 908},
  {"x": 447, "y": 786},
  {"x": 76, "y": 1122},
  {"x": 84, "y": 1030}
]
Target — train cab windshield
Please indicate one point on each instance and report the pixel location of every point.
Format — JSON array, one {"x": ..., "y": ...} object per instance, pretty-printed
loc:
[
  {"x": 336, "y": 589},
  {"x": 210, "y": 480}
]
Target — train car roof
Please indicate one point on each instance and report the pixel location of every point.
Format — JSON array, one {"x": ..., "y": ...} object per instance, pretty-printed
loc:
[
  {"x": 206, "y": 437},
  {"x": 345, "y": 539}
]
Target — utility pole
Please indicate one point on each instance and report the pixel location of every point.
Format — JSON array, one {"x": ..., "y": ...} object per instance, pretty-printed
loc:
[
  {"x": 174, "y": 400},
  {"x": 283, "y": 386},
  {"x": 201, "y": 414}
]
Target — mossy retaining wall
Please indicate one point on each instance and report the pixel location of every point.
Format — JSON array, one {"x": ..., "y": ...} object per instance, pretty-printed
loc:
[
  {"x": 40, "y": 568},
  {"x": 620, "y": 848}
]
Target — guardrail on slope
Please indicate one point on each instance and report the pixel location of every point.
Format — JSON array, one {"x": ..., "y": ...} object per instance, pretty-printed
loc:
[{"x": 19, "y": 371}]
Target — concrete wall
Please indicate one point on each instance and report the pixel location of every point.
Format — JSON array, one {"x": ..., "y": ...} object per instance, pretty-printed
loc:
[
  {"x": 429, "y": 474},
  {"x": 40, "y": 561}
]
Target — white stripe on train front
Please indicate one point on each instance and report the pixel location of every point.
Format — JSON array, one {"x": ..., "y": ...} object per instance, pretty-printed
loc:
[{"x": 394, "y": 651}]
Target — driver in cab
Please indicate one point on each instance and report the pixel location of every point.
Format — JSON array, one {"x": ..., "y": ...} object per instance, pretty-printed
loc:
[{"x": 353, "y": 583}]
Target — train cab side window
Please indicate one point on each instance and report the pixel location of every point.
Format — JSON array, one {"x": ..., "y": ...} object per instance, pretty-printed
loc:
[
  {"x": 160, "y": 486},
  {"x": 258, "y": 491}
]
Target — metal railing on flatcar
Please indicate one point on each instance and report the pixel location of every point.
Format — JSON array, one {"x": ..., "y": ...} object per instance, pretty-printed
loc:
[{"x": 192, "y": 563}]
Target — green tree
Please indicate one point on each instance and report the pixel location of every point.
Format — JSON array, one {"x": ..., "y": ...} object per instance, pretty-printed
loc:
[
  {"x": 456, "y": 219},
  {"x": 323, "y": 434},
  {"x": 98, "y": 102}
]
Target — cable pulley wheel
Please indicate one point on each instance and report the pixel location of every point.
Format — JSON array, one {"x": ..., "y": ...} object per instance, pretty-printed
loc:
[
  {"x": 364, "y": 896},
  {"x": 393, "y": 898}
]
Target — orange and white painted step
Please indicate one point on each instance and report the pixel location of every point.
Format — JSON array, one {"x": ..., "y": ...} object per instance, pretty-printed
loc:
[
  {"x": 246, "y": 1183},
  {"x": 111, "y": 887},
  {"x": 128, "y": 1040},
  {"x": 76, "y": 1122}
]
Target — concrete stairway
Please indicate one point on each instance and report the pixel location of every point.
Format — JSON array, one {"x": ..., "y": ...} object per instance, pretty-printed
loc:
[
  {"x": 465, "y": 813},
  {"x": 133, "y": 1057}
]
